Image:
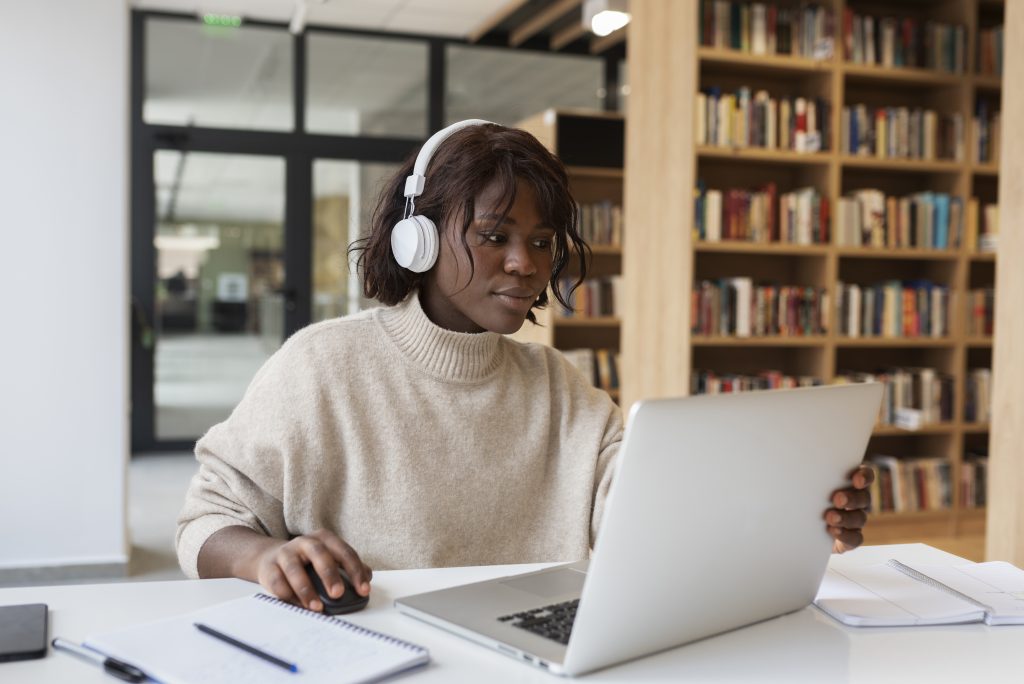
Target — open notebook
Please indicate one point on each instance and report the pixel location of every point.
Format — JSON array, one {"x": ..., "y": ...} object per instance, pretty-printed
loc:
[
  {"x": 325, "y": 648},
  {"x": 894, "y": 594}
]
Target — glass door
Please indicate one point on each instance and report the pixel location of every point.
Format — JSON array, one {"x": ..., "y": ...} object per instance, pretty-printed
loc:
[{"x": 219, "y": 283}]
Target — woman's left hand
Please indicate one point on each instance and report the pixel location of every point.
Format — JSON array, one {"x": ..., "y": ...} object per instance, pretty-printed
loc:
[{"x": 846, "y": 519}]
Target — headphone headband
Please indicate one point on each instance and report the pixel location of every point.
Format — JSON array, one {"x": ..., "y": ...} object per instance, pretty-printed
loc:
[{"x": 414, "y": 183}]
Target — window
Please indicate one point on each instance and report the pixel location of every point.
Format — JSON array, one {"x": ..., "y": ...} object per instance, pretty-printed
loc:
[
  {"x": 218, "y": 76},
  {"x": 505, "y": 86}
]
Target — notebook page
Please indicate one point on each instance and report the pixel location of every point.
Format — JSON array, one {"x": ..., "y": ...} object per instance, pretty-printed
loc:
[
  {"x": 997, "y": 584},
  {"x": 879, "y": 595},
  {"x": 174, "y": 651}
]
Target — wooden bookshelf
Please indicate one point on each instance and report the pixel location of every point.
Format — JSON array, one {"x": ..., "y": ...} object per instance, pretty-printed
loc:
[
  {"x": 595, "y": 175},
  {"x": 834, "y": 174}
]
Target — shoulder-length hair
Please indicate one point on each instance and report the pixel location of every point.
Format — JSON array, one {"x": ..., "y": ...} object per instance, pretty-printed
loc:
[{"x": 461, "y": 168}]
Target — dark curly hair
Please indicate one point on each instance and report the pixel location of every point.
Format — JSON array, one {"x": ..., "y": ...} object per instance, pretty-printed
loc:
[{"x": 461, "y": 168}]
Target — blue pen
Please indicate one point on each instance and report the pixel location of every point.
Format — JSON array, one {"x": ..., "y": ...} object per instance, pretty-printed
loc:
[{"x": 291, "y": 667}]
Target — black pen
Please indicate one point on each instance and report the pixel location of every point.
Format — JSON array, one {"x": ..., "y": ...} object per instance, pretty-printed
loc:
[
  {"x": 118, "y": 668},
  {"x": 291, "y": 667}
]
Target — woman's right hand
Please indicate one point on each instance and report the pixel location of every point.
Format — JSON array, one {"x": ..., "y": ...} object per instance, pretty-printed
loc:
[{"x": 281, "y": 569}]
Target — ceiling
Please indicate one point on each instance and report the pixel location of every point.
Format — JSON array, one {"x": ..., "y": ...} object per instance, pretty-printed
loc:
[{"x": 455, "y": 18}]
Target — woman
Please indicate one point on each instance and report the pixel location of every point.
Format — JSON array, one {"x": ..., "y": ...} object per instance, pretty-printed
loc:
[{"x": 416, "y": 434}]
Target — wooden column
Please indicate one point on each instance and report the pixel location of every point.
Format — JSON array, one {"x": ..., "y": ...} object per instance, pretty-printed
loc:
[
  {"x": 1005, "y": 529},
  {"x": 657, "y": 263}
]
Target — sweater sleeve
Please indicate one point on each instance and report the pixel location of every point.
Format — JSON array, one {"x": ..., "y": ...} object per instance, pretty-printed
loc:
[
  {"x": 606, "y": 459},
  {"x": 245, "y": 461}
]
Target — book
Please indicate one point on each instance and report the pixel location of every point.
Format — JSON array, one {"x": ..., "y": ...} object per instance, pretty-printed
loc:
[
  {"x": 894, "y": 594},
  {"x": 324, "y": 648}
]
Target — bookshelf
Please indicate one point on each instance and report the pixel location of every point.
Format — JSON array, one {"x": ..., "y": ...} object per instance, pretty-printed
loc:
[
  {"x": 595, "y": 178},
  {"x": 833, "y": 173}
]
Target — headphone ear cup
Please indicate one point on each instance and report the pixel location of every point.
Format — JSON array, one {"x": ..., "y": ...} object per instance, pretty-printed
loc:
[{"x": 414, "y": 243}]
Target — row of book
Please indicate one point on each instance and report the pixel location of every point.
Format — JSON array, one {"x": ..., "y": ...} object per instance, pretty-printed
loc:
[
  {"x": 973, "y": 479},
  {"x": 902, "y": 485},
  {"x": 986, "y": 133},
  {"x": 893, "y": 309},
  {"x": 709, "y": 382},
  {"x": 981, "y": 311},
  {"x": 798, "y": 217},
  {"x": 600, "y": 223},
  {"x": 904, "y": 42},
  {"x": 925, "y": 391},
  {"x": 926, "y": 483},
  {"x": 594, "y": 297},
  {"x": 767, "y": 29},
  {"x": 982, "y": 226},
  {"x": 867, "y": 218},
  {"x": 600, "y": 366},
  {"x": 737, "y": 307},
  {"x": 990, "y": 51},
  {"x": 742, "y": 119},
  {"x": 978, "y": 396},
  {"x": 901, "y": 133}
]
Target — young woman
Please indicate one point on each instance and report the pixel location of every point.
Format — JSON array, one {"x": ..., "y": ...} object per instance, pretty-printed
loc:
[{"x": 416, "y": 434}]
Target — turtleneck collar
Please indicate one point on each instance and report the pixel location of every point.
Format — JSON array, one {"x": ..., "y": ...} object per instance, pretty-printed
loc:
[{"x": 447, "y": 355}]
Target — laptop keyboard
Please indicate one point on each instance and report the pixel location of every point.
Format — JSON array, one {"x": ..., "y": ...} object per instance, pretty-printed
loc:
[{"x": 551, "y": 622}]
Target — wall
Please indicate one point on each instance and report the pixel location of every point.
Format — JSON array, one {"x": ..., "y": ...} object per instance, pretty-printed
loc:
[
  {"x": 63, "y": 283},
  {"x": 1005, "y": 527}
]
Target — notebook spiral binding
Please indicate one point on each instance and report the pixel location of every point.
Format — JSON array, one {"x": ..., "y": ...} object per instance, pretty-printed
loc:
[
  {"x": 911, "y": 572},
  {"x": 344, "y": 624}
]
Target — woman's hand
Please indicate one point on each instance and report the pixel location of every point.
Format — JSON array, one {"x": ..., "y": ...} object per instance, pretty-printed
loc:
[
  {"x": 281, "y": 569},
  {"x": 845, "y": 521}
]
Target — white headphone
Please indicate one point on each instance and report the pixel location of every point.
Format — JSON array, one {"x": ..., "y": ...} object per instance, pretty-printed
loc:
[{"x": 414, "y": 239}]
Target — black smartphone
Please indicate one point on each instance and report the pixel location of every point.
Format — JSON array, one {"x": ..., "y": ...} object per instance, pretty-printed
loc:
[{"x": 23, "y": 631}]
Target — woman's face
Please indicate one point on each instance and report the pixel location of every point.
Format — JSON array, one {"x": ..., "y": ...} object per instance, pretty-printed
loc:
[{"x": 511, "y": 266}]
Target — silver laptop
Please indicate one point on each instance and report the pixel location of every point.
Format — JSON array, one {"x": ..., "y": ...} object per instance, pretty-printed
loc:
[{"x": 714, "y": 521}]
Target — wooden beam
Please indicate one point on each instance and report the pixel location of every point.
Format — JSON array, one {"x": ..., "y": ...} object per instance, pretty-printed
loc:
[
  {"x": 601, "y": 43},
  {"x": 541, "y": 20},
  {"x": 492, "y": 22},
  {"x": 660, "y": 169},
  {"x": 1005, "y": 524},
  {"x": 569, "y": 34}
]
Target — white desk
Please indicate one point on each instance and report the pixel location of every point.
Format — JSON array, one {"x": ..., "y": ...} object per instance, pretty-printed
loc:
[{"x": 805, "y": 646}]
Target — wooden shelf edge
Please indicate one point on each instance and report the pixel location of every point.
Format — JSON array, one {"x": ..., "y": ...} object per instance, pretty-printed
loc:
[
  {"x": 746, "y": 247},
  {"x": 767, "y": 62},
  {"x": 595, "y": 172},
  {"x": 586, "y": 321},
  {"x": 851, "y": 161},
  {"x": 895, "y": 342},
  {"x": 758, "y": 154},
  {"x": 909, "y": 75},
  {"x": 892, "y": 517},
  {"x": 897, "y": 253},
  {"x": 933, "y": 429},
  {"x": 724, "y": 341}
]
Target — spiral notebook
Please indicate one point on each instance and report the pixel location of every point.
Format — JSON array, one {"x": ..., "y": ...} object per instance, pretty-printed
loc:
[
  {"x": 325, "y": 648},
  {"x": 894, "y": 594}
]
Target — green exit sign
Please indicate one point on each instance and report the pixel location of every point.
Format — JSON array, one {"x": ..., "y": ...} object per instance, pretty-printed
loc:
[{"x": 222, "y": 20}]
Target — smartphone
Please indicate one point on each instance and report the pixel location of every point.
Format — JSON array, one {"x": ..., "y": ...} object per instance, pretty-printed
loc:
[{"x": 23, "y": 631}]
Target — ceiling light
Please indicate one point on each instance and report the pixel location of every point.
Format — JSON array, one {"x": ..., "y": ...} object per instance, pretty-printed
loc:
[{"x": 605, "y": 16}]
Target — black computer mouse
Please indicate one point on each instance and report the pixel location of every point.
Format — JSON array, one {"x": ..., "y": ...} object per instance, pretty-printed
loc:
[{"x": 349, "y": 602}]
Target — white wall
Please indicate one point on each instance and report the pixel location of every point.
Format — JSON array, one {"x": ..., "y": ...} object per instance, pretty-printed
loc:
[{"x": 63, "y": 281}]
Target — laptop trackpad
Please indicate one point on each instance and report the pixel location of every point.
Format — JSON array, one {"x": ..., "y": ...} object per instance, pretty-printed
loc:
[{"x": 550, "y": 584}]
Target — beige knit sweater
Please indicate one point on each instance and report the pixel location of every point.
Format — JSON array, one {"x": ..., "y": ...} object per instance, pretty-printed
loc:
[{"x": 419, "y": 446}]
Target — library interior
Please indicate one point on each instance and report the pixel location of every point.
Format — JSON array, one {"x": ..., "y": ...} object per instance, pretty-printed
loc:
[{"x": 774, "y": 194}]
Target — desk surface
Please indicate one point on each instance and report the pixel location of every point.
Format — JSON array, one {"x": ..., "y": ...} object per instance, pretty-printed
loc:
[{"x": 805, "y": 646}]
